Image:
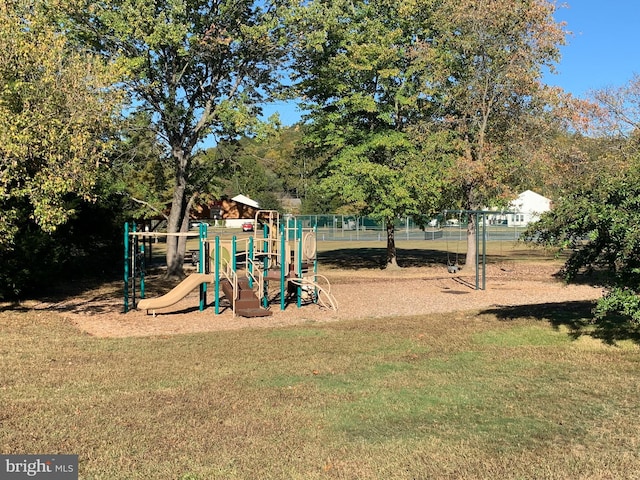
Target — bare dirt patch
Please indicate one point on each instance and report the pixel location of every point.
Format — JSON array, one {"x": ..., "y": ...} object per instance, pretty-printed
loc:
[{"x": 360, "y": 294}]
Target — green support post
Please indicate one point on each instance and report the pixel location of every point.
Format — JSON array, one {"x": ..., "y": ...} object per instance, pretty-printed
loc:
[
  {"x": 299, "y": 256},
  {"x": 202, "y": 263},
  {"x": 126, "y": 267},
  {"x": 216, "y": 277},
  {"x": 142, "y": 267},
  {"x": 265, "y": 265},
  {"x": 133, "y": 266},
  {"x": 283, "y": 263},
  {"x": 484, "y": 251},
  {"x": 250, "y": 262},
  {"x": 234, "y": 251},
  {"x": 315, "y": 259},
  {"x": 477, "y": 259}
]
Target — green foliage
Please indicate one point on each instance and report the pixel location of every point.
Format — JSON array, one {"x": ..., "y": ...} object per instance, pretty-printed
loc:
[
  {"x": 598, "y": 212},
  {"x": 599, "y": 223},
  {"x": 621, "y": 300},
  {"x": 244, "y": 167},
  {"x": 140, "y": 170},
  {"x": 254, "y": 165},
  {"x": 198, "y": 69},
  {"x": 58, "y": 113},
  {"x": 416, "y": 103},
  {"x": 265, "y": 167},
  {"x": 480, "y": 77},
  {"x": 383, "y": 177},
  {"x": 353, "y": 71}
]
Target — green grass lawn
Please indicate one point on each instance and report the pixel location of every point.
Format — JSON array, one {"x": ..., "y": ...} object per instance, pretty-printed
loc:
[{"x": 495, "y": 394}]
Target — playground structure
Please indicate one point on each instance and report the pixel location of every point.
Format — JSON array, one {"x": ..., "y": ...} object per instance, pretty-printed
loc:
[{"x": 277, "y": 263}]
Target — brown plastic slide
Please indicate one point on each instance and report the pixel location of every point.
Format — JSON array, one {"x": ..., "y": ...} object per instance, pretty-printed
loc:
[{"x": 177, "y": 293}]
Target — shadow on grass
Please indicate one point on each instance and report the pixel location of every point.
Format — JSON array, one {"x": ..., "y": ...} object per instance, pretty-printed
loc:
[
  {"x": 577, "y": 316},
  {"x": 374, "y": 258}
]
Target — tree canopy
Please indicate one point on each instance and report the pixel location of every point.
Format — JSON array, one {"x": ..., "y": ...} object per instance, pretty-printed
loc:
[
  {"x": 481, "y": 76},
  {"x": 413, "y": 101},
  {"x": 597, "y": 216},
  {"x": 58, "y": 114},
  {"x": 59, "y": 119},
  {"x": 355, "y": 72},
  {"x": 198, "y": 68}
]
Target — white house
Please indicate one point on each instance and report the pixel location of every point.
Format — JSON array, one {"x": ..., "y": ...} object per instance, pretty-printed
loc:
[{"x": 527, "y": 208}]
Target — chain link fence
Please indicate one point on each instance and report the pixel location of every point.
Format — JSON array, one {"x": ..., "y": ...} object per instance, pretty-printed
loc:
[{"x": 354, "y": 228}]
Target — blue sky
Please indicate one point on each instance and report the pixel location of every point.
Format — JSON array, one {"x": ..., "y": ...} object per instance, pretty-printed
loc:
[{"x": 603, "y": 49}]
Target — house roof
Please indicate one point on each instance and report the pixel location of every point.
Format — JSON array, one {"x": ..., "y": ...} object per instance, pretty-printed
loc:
[
  {"x": 246, "y": 201},
  {"x": 532, "y": 194},
  {"x": 530, "y": 201}
]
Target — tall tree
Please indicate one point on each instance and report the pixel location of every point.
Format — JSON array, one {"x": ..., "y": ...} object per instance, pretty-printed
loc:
[
  {"x": 58, "y": 112},
  {"x": 618, "y": 113},
  {"x": 482, "y": 69},
  {"x": 198, "y": 67},
  {"x": 462, "y": 78},
  {"x": 597, "y": 216},
  {"x": 353, "y": 68}
]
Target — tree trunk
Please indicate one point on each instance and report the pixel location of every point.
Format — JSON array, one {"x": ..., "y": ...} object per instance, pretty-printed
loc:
[
  {"x": 471, "y": 205},
  {"x": 178, "y": 221},
  {"x": 391, "y": 259},
  {"x": 470, "y": 260}
]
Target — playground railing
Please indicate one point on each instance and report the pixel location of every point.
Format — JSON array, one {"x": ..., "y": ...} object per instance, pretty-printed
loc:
[
  {"x": 253, "y": 268},
  {"x": 255, "y": 276}
]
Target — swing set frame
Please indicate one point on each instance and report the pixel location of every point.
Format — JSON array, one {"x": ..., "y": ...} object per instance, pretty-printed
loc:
[{"x": 481, "y": 255}]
